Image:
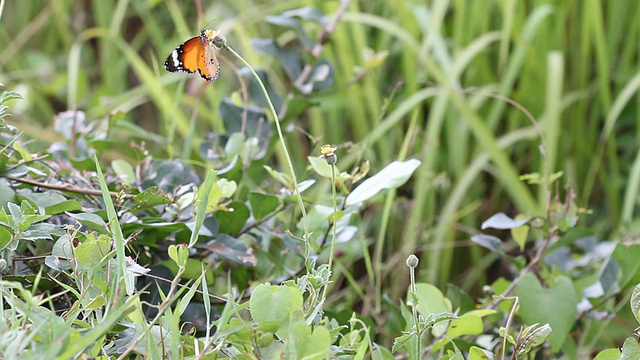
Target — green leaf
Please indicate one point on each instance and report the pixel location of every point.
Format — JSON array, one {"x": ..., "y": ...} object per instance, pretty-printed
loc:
[
  {"x": 432, "y": 301},
  {"x": 234, "y": 144},
  {"x": 476, "y": 353},
  {"x": 281, "y": 177},
  {"x": 172, "y": 251},
  {"x": 635, "y": 302},
  {"x": 289, "y": 58},
  {"x": 149, "y": 198},
  {"x": 63, "y": 247},
  {"x": 16, "y": 217},
  {"x": 33, "y": 235},
  {"x": 467, "y": 324},
  {"x": 555, "y": 306},
  {"x": 92, "y": 250},
  {"x": 537, "y": 336},
  {"x": 314, "y": 346},
  {"x": 214, "y": 191},
  {"x": 9, "y": 95},
  {"x": 392, "y": 176},
  {"x": 6, "y": 195},
  {"x": 520, "y": 233},
  {"x": 627, "y": 257},
  {"x": 433, "y": 319},
  {"x": 124, "y": 170},
  {"x": 608, "y": 354},
  {"x": 204, "y": 196},
  {"x": 402, "y": 340},
  {"x": 64, "y": 206},
  {"x": 96, "y": 303},
  {"x": 296, "y": 106},
  {"x": 92, "y": 221},
  {"x": 321, "y": 167},
  {"x": 262, "y": 204},
  {"x": 454, "y": 354},
  {"x": 24, "y": 154},
  {"x": 5, "y": 236},
  {"x": 24, "y": 216},
  {"x": 155, "y": 223},
  {"x": 234, "y": 220},
  {"x": 227, "y": 187},
  {"x": 232, "y": 249},
  {"x": 192, "y": 269},
  {"x": 274, "y": 303},
  {"x": 630, "y": 349}
]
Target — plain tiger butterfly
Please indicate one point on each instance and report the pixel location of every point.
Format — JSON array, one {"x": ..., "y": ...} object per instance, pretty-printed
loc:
[{"x": 197, "y": 54}]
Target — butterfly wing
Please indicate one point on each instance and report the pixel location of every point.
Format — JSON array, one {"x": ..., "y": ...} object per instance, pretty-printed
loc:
[
  {"x": 188, "y": 57},
  {"x": 211, "y": 66}
]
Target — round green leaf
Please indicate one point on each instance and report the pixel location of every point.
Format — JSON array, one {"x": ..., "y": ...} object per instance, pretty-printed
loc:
[{"x": 274, "y": 303}]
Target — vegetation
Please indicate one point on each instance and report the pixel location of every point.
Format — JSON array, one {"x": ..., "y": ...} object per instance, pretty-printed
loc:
[{"x": 397, "y": 179}]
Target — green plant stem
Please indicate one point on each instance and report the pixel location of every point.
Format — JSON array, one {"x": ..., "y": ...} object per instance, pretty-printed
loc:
[
  {"x": 292, "y": 172},
  {"x": 380, "y": 242},
  {"x": 335, "y": 226},
  {"x": 508, "y": 324},
  {"x": 335, "y": 215},
  {"x": 414, "y": 310}
]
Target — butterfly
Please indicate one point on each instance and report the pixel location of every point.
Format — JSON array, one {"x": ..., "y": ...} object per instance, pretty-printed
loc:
[{"x": 197, "y": 54}]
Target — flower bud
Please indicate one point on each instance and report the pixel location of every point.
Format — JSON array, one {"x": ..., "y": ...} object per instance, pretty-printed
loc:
[{"x": 412, "y": 261}]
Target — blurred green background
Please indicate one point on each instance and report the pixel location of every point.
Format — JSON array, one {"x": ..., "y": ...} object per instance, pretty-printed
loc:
[{"x": 446, "y": 82}]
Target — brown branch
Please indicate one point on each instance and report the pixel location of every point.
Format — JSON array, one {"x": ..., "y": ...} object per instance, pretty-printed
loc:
[
  {"x": 323, "y": 38},
  {"x": 67, "y": 188}
]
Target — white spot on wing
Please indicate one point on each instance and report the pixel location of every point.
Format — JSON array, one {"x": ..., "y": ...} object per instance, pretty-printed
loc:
[{"x": 174, "y": 58}]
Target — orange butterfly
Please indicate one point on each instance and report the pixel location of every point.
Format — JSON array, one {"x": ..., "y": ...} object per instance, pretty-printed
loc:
[{"x": 197, "y": 54}]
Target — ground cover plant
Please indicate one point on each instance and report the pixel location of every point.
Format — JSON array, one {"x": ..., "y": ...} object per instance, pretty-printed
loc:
[{"x": 367, "y": 180}]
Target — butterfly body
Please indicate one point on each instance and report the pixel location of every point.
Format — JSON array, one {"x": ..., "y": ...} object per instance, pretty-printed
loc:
[{"x": 196, "y": 54}]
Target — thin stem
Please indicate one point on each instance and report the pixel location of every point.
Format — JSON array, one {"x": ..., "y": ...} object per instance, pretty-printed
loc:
[
  {"x": 67, "y": 188},
  {"x": 335, "y": 214},
  {"x": 508, "y": 324},
  {"x": 414, "y": 309},
  {"x": 276, "y": 120},
  {"x": 323, "y": 38},
  {"x": 334, "y": 233}
]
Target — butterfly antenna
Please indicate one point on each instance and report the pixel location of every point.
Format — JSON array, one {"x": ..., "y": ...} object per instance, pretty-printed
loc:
[{"x": 209, "y": 23}]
